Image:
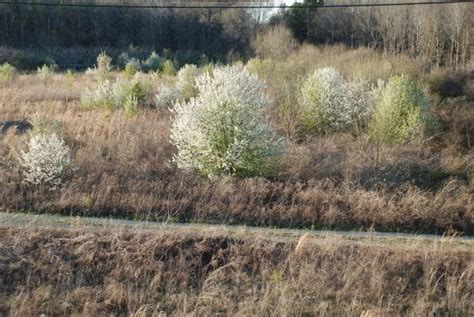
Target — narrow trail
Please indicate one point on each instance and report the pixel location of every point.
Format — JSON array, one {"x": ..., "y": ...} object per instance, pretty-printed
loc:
[{"x": 277, "y": 234}]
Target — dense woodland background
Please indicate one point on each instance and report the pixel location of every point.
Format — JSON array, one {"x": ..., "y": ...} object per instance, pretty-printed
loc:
[{"x": 437, "y": 35}]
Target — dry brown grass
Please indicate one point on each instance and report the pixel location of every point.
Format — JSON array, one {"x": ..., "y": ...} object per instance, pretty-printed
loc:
[
  {"x": 87, "y": 272},
  {"x": 362, "y": 62},
  {"x": 124, "y": 168}
]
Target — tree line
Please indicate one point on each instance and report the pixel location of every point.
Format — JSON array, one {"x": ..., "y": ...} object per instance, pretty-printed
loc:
[
  {"x": 436, "y": 34},
  {"x": 439, "y": 35},
  {"x": 211, "y": 31}
]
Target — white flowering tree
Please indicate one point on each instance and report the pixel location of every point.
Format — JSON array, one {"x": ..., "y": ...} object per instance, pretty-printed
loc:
[
  {"x": 46, "y": 160},
  {"x": 323, "y": 102},
  {"x": 222, "y": 130},
  {"x": 360, "y": 95},
  {"x": 167, "y": 96}
]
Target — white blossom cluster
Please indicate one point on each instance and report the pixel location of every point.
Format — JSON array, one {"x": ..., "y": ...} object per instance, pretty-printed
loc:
[
  {"x": 222, "y": 131},
  {"x": 46, "y": 160},
  {"x": 168, "y": 95},
  {"x": 184, "y": 89},
  {"x": 329, "y": 103},
  {"x": 105, "y": 95},
  {"x": 360, "y": 96}
]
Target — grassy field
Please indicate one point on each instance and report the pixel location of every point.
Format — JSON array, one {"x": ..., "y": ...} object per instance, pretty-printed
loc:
[
  {"x": 123, "y": 164},
  {"x": 236, "y": 246}
]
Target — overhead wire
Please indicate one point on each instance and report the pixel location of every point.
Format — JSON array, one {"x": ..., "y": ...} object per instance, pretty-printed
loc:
[{"x": 230, "y": 6}]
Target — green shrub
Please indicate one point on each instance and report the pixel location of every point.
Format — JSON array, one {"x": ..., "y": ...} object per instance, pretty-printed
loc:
[
  {"x": 7, "y": 72},
  {"x": 186, "y": 81},
  {"x": 183, "y": 89},
  {"x": 258, "y": 66},
  {"x": 132, "y": 67},
  {"x": 137, "y": 90},
  {"x": 130, "y": 105},
  {"x": 401, "y": 113},
  {"x": 45, "y": 125},
  {"x": 69, "y": 78},
  {"x": 104, "y": 66},
  {"x": 122, "y": 60},
  {"x": 46, "y": 72},
  {"x": 152, "y": 63},
  {"x": 169, "y": 68}
]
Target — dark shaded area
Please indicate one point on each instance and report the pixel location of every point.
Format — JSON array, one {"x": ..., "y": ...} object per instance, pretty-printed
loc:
[
  {"x": 214, "y": 32},
  {"x": 19, "y": 126}
]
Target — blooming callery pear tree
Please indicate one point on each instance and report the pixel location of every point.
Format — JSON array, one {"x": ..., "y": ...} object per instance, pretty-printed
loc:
[{"x": 222, "y": 131}]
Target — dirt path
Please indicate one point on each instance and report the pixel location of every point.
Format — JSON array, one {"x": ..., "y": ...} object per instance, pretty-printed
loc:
[{"x": 277, "y": 234}]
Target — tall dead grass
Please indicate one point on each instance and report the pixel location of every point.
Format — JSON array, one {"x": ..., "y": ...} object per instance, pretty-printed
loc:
[{"x": 87, "y": 272}]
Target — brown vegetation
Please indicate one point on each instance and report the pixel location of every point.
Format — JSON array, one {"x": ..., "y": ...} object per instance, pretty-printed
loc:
[
  {"x": 124, "y": 168},
  {"x": 60, "y": 272}
]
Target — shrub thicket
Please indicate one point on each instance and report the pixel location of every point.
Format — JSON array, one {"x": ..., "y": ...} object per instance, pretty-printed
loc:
[
  {"x": 44, "y": 124},
  {"x": 276, "y": 43},
  {"x": 7, "y": 72},
  {"x": 447, "y": 85},
  {"x": 115, "y": 95},
  {"x": 186, "y": 81}
]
